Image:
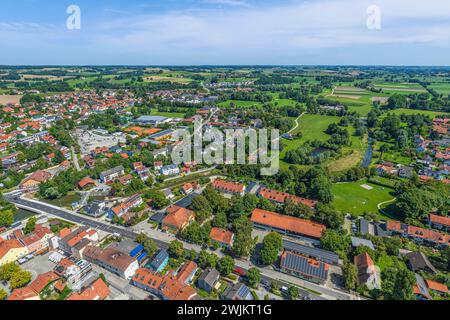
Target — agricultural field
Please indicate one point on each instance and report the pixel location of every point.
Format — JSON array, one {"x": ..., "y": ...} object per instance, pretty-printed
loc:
[
  {"x": 442, "y": 88},
  {"x": 432, "y": 114},
  {"x": 5, "y": 99},
  {"x": 361, "y": 196},
  {"x": 400, "y": 88}
]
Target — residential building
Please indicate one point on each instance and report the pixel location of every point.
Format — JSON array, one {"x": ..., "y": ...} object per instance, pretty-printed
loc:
[
  {"x": 77, "y": 273},
  {"x": 224, "y": 238},
  {"x": 438, "y": 288},
  {"x": 98, "y": 290},
  {"x": 417, "y": 261},
  {"x": 281, "y": 197},
  {"x": 439, "y": 222},
  {"x": 169, "y": 170},
  {"x": 112, "y": 260},
  {"x": 159, "y": 261},
  {"x": 35, "y": 179},
  {"x": 177, "y": 219},
  {"x": 229, "y": 187},
  {"x": 208, "y": 279},
  {"x": 11, "y": 250},
  {"x": 124, "y": 210},
  {"x": 112, "y": 174},
  {"x": 368, "y": 273},
  {"x": 420, "y": 289},
  {"x": 187, "y": 272},
  {"x": 238, "y": 291}
]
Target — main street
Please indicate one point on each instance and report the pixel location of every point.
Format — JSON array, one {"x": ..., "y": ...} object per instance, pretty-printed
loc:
[{"x": 163, "y": 239}]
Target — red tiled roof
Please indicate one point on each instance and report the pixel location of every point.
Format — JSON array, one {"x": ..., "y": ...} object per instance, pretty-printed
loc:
[
  {"x": 436, "y": 286},
  {"x": 7, "y": 245},
  {"x": 85, "y": 181},
  {"x": 281, "y": 197},
  {"x": 42, "y": 281},
  {"x": 228, "y": 186},
  {"x": 178, "y": 217},
  {"x": 96, "y": 291},
  {"x": 186, "y": 271},
  {"x": 221, "y": 235},
  {"x": 445, "y": 221},
  {"x": 291, "y": 224}
]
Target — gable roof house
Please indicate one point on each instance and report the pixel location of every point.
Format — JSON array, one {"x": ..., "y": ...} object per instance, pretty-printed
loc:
[
  {"x": 112, "y": 260},
  {"x": 223, "y": 237},
  {"x": 208, "y": 279},
  {"x": 177, "y": 219},
  {"x": 229, "y": 187},
  {"x": 368, "y": 273},
  {"x": 417, "y": 261},
  {"x": 281, "y": 197}
]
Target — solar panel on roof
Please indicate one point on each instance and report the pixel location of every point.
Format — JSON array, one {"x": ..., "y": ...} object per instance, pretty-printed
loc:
[
  {"x": 142, "y": 256},
  {"x": 136, "y": 250},
  {"x": 319, "y": 254}
]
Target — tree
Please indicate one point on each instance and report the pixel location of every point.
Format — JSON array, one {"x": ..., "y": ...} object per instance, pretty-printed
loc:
[
  {"x": 6, "y": 218},
  {"x": 253, "y": 277},
  {"x": 220, "y": 220},
  {"x": 19, "y": 279},
  {"x": 159, "y": 199},
  {"x": 150, "y": 246},
  {"x": 199, "y": 203},
  {"x": 350, "y": 274},
  {"x": 383, "y": 149},
  {"x": 226, "y": 265},
  {"x": 293, "y": 293},
  {"x": 335, "y": 241},
  {"x": 321, "y": 189},
  {"x": 272, "y": 244},
  {"x": 141, "y": 238},
  {"x": 176, "y": 249},
  {"x": 7, "y": 270},
  {"x": 31, "y": 224},
  {"x": 3, "y": 294},
  {"x": 243, "y": 243}
]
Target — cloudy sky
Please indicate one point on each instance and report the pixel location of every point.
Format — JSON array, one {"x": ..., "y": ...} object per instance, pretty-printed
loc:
[{"x": 250, "y": 32}]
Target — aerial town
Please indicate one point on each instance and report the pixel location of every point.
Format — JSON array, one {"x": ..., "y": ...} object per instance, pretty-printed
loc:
[{"x": 93, "y": 207}]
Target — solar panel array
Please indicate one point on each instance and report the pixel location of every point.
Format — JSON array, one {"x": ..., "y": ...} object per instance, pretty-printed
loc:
[{"x": 300, "y": 264}]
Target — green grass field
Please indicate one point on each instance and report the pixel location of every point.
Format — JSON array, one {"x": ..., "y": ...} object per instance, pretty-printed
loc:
[
  {"x": 239, "y": 103},
  {"x": 352, "y": 198},
  {"x": 412, "y": 111},
  {"x": 155, "y": 112}
]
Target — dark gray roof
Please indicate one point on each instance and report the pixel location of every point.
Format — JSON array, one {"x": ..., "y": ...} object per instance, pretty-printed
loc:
[
  {"x": 159, "y": 259},
  {"x": 422, "y": 286},
  {"x": 364, "y": 226},
  {"x": 239, "y": 291},
  {"x": 210, "y": 276},
  {"x": 301, "y": 264},
  {"x": 111, "y": 171},
  {"x": 316, "y": 253},
  {"x": 418, "y": 261}
]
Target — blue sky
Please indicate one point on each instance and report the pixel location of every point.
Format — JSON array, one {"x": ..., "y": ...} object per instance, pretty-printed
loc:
[{"x": 199, "y": 32}]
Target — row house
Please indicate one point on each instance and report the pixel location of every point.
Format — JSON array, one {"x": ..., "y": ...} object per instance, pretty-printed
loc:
[
  {"x": 279, "y": 197},
  {"x": 418, "y": 235}
]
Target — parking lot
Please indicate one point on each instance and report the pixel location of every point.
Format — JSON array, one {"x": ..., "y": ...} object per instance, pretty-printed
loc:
[{"x": 89, "y": 140}]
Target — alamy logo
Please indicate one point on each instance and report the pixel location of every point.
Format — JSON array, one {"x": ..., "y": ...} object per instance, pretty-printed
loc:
[
  {"x": 211, "y": 146},
  {"x": 74, "y": 20},
  {"x": 374, "y": 20}
]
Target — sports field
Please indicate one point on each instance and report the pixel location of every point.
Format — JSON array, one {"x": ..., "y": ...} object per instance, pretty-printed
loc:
[{"x": 357, "y": 197}]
